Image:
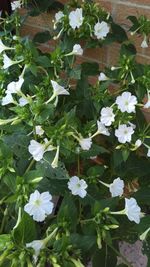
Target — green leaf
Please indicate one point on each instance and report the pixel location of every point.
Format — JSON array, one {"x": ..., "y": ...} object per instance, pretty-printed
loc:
[
  {"x": 118, "y": 33},
  {"x": 5, "y": 240},
  {"x": 90, "y": 69},
  {"x": 105, "y": 257},
  {"x": 25, "y": 231},
  {"x": 42, "y": 37},
  {"x": 75, "y": 73}
]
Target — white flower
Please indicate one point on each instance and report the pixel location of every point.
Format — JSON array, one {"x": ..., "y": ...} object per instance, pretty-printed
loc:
[
  {"x": 58, "y": 89},
  {"x": 102, "y": 77},
  {"x": 132, "y": 210},
  {"x": 37, "y": 150},
  {"x": 15, "y": 87},
  {"x": 37, "y": 245},
  {"x": 15, "y": 5},
  {"x": 77, "y": 50},
  {"x": 8, "y": 99},
  {"x": 126, "y": 102},
  {"x": 54, "y": 164},
  {"x": 7, "y": 62},
  {"x": 85, "y": 143},
  {"x": 77, "y": 186},
  {"x": 138, "y": 143},
  {"x": 148, "y": 152},
  {"x": 23, "y": 101},
  {"x": 58, "y": 16},
  {"x": 144, "y": 43},
  {"x": 147, "y": 105},
  {"x": 4, "y": 47},
  {"x": 124, "y": 133},
  {"x": 116, "y": 188},
  {"x": 76, "y": 18},
  {"x": 39, "y": 205},
  {"x": 101, "y": 30},
  {"x": 102, "y": 129},
  {"x": 107, "y": 116},
  {"x": 38, "y": 130}
]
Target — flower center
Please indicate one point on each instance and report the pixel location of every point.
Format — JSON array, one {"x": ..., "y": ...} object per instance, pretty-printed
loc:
[
  {"x": 37, "y": 202},
  {"x": 78, "y": 185}
]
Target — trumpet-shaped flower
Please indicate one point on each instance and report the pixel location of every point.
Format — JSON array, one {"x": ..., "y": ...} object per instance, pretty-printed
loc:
[
  {"x": 138, "y": 143},
  {"x": 7, "y": 62},
  {"x": 102, "y": 129},
  {"x": 77, "y": 186},
  {"x": 132, "y": 210},
  {"x": 57, "y": 90},
  {"x": 37, "y": 245},
  {"x": 144, "y": 43},
  {"x": 15, "y": 87},
  {"x": 4, "y": 47},
  {"x": 8, "y": 99},
  {"x": 37, "y": 150},
  {"x": 23, "y": 101},
  {"x": 124, "y": 133},
  {"x": 58, "y": 16},
  {"x": 147, "y": 104},
  {"x": 77, "y": 50},
  {"x": 102, "y": 77},
  {"x": 126, "y": 102},
  {"x": 85, "y": 143},
  {"x": 39, "y": 205},
  {"x": 148, "y": 152},
  {"x": 76, "y": 18},
  {"x": 54, "y": 164},
  {"x": 101, "y": 29},
  {"x": 116, "y": 188},
  {"x": 107, "y": 116},
  {"x": 15, "y": 5},
  {"x": 38, "y": 130}
]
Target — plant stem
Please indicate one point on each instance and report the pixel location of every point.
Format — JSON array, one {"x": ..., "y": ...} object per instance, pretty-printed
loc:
[{"x": 30, "y": 166}]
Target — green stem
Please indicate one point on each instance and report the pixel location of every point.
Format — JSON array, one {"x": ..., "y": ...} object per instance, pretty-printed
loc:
[{"x": 30, "y": 166}]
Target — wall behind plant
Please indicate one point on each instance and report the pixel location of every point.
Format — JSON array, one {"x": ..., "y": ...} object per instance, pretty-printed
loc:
[{"x": 120, "y": 10}]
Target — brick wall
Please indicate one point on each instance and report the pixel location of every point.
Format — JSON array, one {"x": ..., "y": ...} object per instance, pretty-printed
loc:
[{"x": 119, "y": 9}]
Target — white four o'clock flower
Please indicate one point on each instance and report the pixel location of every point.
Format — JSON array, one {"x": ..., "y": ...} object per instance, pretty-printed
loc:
[
  {"x": 77, "y": 186},
  {"x": 148, "y": 153},
  {"x": 144, "y": 43},
  {"x": 124, "y": 133},
  {"x": 147, "y": 104},
  {"x": 77, "y": 50},
  {"x": 138, "y": 143},
  {"x": 37, "y": 150},
  {"x": 57, "y": 90},
  {"x": 101, "y": 29},
  {"x": 102, "y": 77},
  {"x": 7, "y": 62},
  {"x": 15, "y": 5},
  {"x": 23, "y": 101},
  {"x": 76, "y": 18},
  {"x": 58, "y": 16},
  {"x": 101, "y": 129},
  {"x": 38, "y": 130},
  {"x": 115, "y": 188},
  {"x": 4, "y": 47},
  {"x": 132, "y": 210},
  {"x": 85, "y": 143},
  {"x": 15, "y": 87},
  {"x": 37, "y": 245},
  {"x": 8, "y": 99},
  {"x": 54, "y": 164},
  {"x": 39, "y": 205},
  {"x": 107, "y": 116},
  {"x": 126, "y": 102}
]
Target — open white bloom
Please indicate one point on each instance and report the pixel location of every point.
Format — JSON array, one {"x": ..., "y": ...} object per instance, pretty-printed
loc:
[
  {"x": 101, "y": 29},
  {"x": 77, "y": 186},
  {"x": 15, "y": 87},
  {"x": 58, "y": 16},
  {"x": 85, "y": 143},
  {"x": 39, "y": 205},
  {"x": 126, "y": 102},
  {"x": 15, "y": 5},
  {"x": 57, "y": 90},
  {"x": 38, "y": 130},
  {"x": 76, "y": 18},
  {"x": 107, "y": 116},
  {"x": 8, "y": 99},
  {"x": 124, "y": 133},
  {"x": 132, "y": 210},
  {"x": 144, "y": 43},
  {"x": 37, "y": 245},
  {"x": 77, "y": 50},
  {"x": 37, "y": 150},
  {"x": 102, "y": 77},
  {"x": 116, "y": 188},
  {"x": 102, "y": 129},
  {"x": 23, "y": 101}
]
